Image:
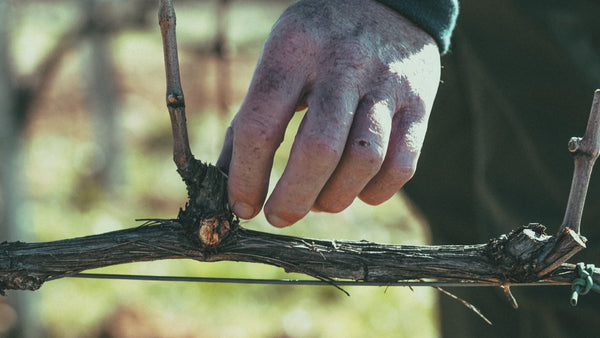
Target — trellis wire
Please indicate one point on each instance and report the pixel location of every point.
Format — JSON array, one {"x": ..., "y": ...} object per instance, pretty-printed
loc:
[{"x": 303, "y": 281}]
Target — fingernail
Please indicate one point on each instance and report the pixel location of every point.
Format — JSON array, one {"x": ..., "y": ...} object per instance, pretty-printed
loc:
[
  {"x": 276, "y": 221},
  {"x": 243, "y": 210}
]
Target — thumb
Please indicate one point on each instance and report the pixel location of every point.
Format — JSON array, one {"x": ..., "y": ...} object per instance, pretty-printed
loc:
[{"x": 226, "y": 151}]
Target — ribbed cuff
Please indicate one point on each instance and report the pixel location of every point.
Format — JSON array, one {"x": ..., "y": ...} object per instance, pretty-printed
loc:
[{"x": 436, "y": 17}]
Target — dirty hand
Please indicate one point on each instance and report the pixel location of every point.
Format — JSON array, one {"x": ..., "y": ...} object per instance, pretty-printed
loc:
[{"x": 368, "y": 77}]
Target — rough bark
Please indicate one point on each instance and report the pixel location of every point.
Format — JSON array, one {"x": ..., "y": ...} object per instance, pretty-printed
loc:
[{"x": 512, "y": 258}]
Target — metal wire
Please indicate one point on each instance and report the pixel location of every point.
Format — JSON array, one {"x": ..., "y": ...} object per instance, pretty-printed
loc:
[{"x": 298, "y": 281}]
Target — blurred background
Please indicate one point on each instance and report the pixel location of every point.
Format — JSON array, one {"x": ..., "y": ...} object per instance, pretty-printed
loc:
[{"x": 85, "y": 143}]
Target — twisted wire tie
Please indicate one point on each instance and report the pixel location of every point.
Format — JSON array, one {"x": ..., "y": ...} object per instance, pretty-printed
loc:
[{"x": 584, "y": 283}]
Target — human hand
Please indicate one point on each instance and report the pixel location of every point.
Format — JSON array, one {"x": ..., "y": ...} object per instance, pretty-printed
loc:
[{"x": 368, "y": 77}]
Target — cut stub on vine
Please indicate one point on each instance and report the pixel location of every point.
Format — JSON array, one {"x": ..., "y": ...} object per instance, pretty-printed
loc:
[{"x": 212, "y": 231}]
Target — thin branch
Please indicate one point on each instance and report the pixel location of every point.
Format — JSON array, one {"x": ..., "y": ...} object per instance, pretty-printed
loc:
[
  {"x": 585, "y": 151},
  {"x": 465, "y": 303},
  {"x": 182, "y": 155}
]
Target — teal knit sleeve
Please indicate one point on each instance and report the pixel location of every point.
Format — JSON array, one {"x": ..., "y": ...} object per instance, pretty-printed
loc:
[{"x": 436, "y": 17}]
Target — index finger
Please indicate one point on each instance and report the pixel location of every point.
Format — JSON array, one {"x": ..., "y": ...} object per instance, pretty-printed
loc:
[{"x": 256, "y": 133}]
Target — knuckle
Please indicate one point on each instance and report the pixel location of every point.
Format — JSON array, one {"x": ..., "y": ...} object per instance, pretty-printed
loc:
[
  {"x": 400, "y": 174},
  {"x": 368, "y": 154},
  {"x": 350, "y": 56},
  {"x": 291, "y": 38},
  {"x": 322, "y": 147},
  {"x": 259, "y": 130},
  {"x": 355, "y": 52}
]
